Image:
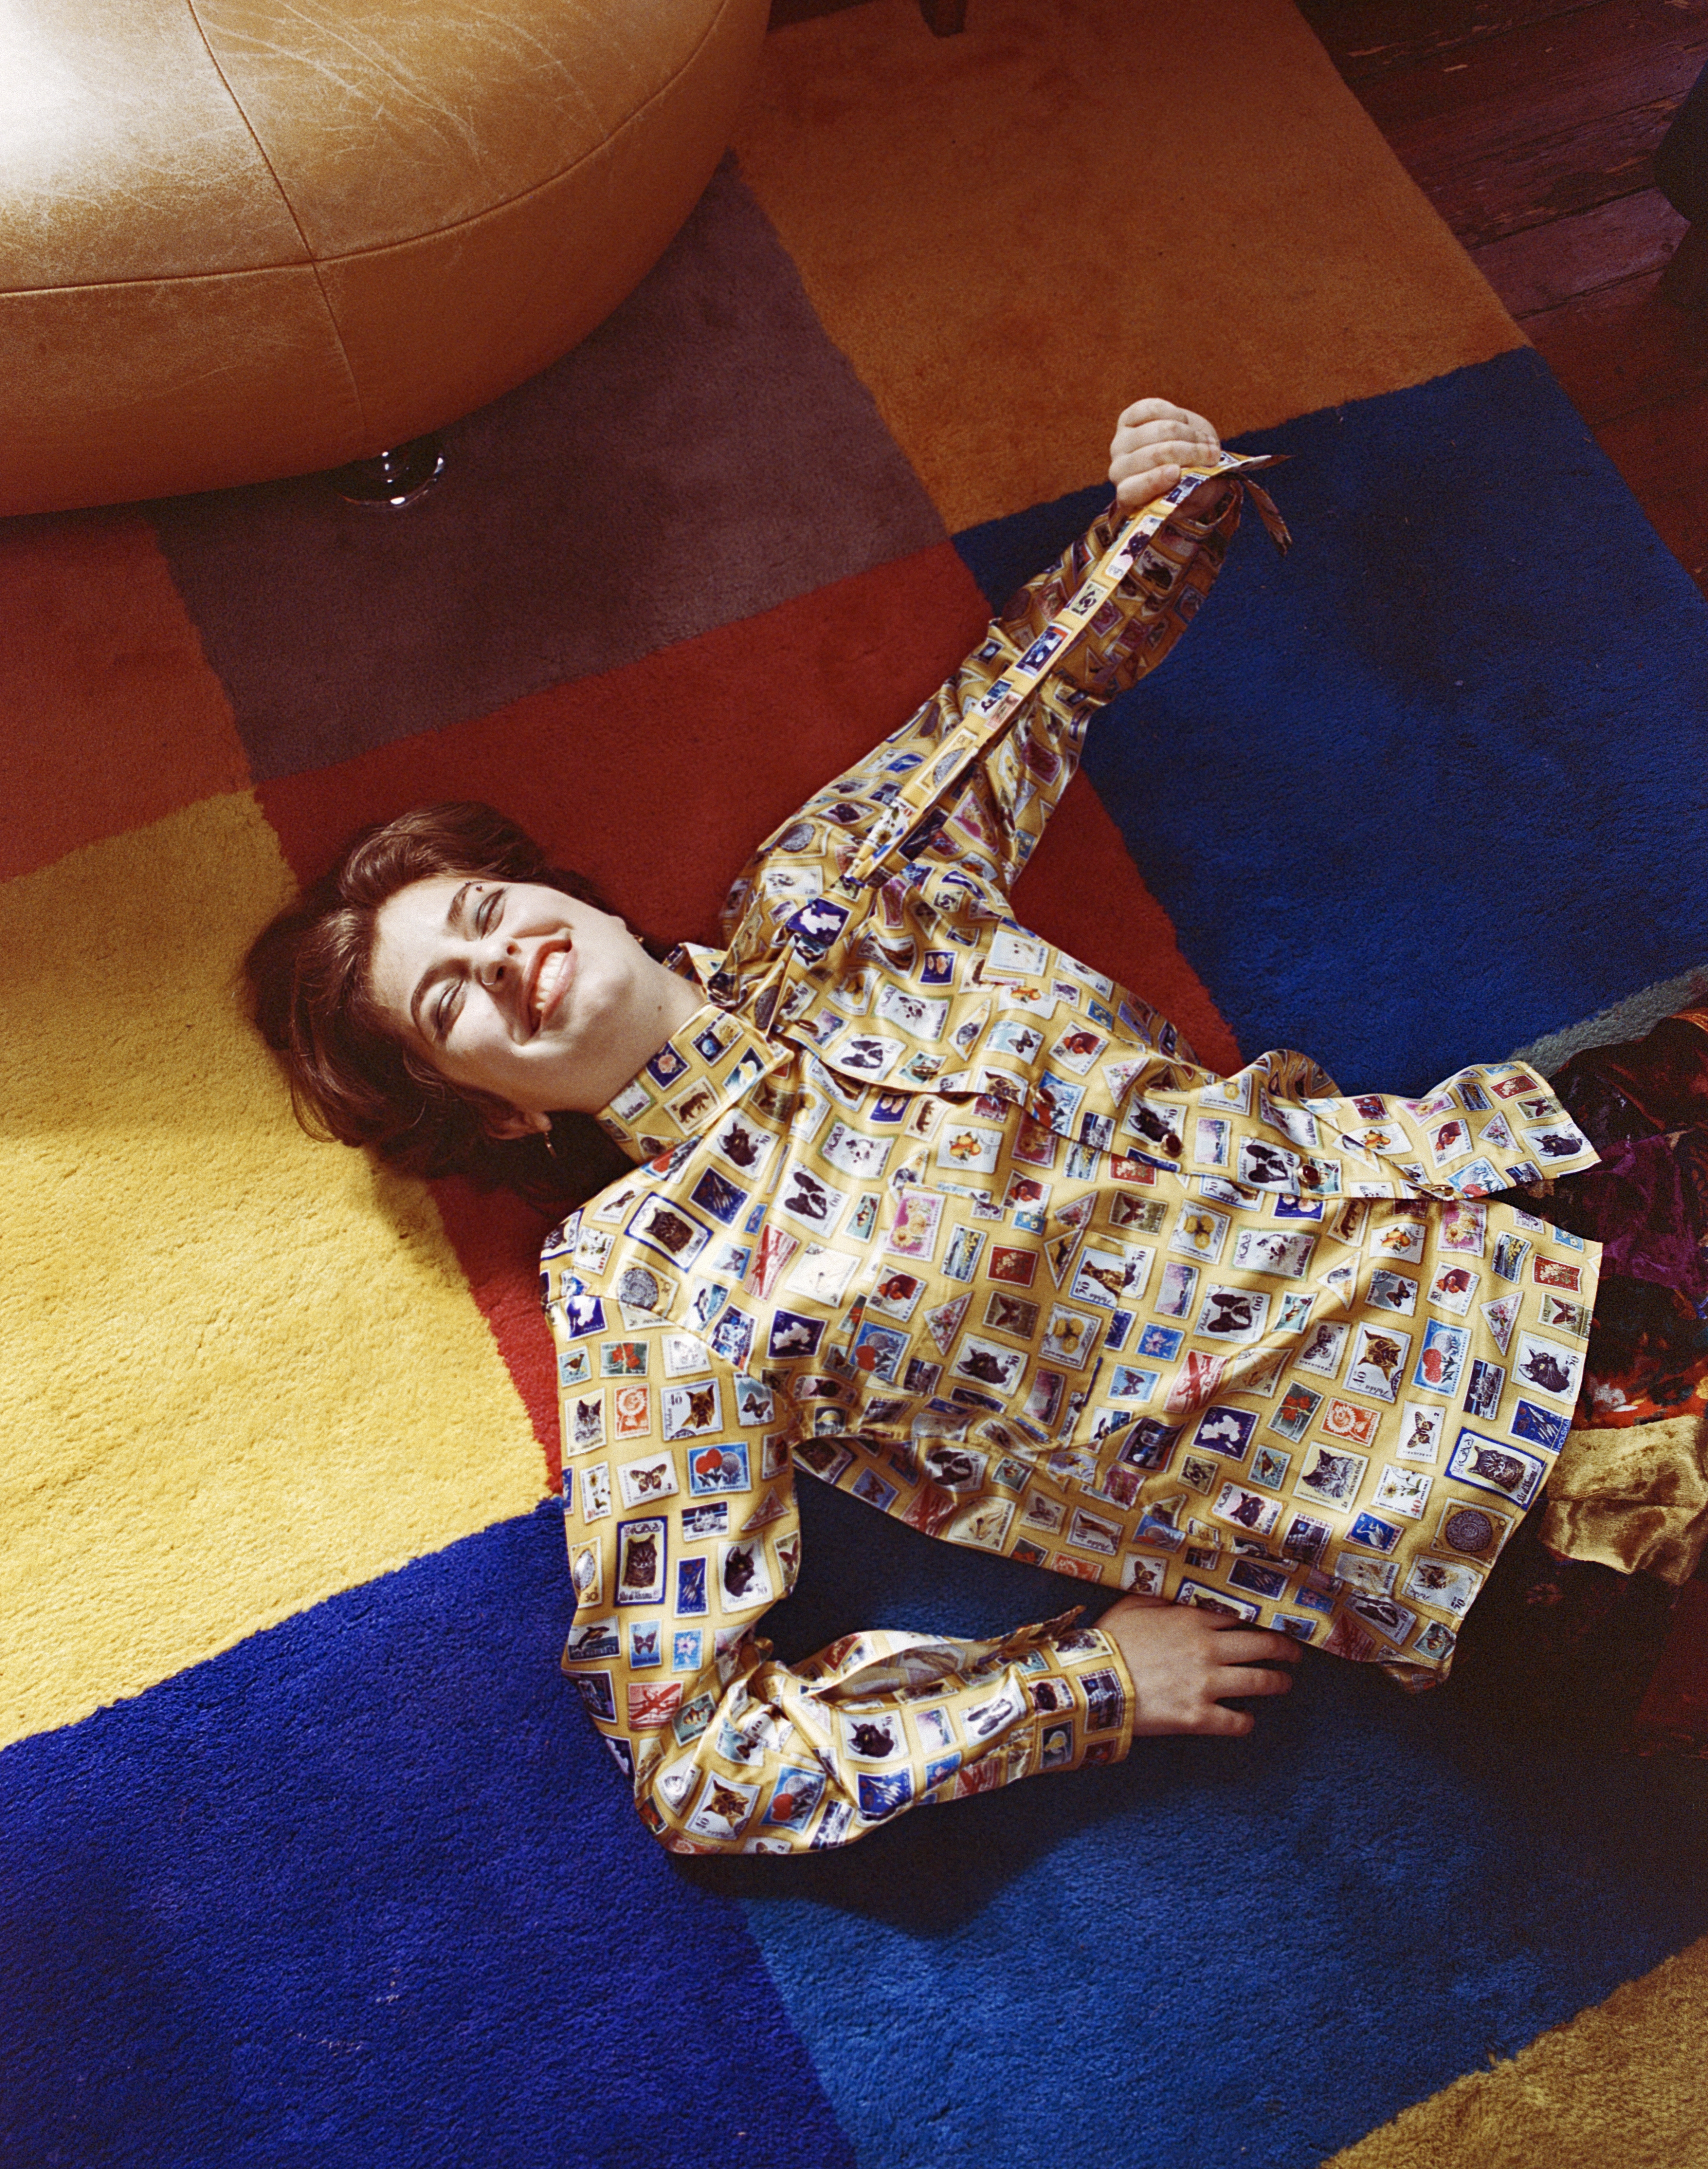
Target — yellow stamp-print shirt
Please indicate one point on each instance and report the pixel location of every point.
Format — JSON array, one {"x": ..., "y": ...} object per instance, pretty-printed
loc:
[{"x": 941, "y": 1216}]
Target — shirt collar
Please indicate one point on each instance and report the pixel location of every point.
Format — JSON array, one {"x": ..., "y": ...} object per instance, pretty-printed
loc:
[{"x": 702, "y": 1069}]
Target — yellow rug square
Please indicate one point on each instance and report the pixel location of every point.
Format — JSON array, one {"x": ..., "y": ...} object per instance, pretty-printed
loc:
[{"x": 239, "y": 1371}]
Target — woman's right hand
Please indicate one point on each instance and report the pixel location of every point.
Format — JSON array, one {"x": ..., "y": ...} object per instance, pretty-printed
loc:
[
  {"x": 1185, "y": 1659},
  {"x": 1154, "y": 441}
]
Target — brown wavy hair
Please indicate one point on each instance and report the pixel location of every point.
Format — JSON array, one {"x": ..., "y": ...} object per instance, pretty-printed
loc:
[{"x": 352, "y": 1078}]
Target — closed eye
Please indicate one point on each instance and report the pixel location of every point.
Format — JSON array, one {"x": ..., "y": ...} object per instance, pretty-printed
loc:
[{"x": 487, "y": 914}]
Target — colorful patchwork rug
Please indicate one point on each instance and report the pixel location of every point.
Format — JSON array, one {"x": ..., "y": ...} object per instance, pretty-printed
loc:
[{"x": 310, "y": 1856}]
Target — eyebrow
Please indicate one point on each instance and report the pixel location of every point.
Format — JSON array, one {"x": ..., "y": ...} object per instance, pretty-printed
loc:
[{"x": 453, "y": 919}]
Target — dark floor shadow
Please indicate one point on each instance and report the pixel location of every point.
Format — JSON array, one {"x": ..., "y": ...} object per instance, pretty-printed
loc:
[
  {"x": 1553, "y": 1664},
  {"x": 934, "y": 1869}
]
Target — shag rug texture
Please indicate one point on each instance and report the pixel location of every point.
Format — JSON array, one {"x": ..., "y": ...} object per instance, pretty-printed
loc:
[{"x": 310, "y": 1858}]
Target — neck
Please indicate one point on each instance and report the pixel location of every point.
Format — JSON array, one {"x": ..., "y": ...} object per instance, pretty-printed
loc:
[{"x": 666, "y": 1002}]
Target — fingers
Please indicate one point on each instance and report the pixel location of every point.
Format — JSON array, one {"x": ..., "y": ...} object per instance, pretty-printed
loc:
[
  {"x": 1139, "y": 483},
  {"x": 1146, "y": 412},
  {"x": 1255, "y": 1645},
  {"x": 1155, "y": 441},
  {"x": 1128, "y": 454},
  {"x": 1213, "y": 1721},
  {"x": 1153, "y": 424},
  {"x": 1169, "y": 457},
  {"x": 1186, "y": 1661},
  {"x": 1247, "y": 1680},
  {"x": 1159, "y": 440}
]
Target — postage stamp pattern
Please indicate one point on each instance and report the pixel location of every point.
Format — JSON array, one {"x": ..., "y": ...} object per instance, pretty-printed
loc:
[{"x": 929, "y": 1210}]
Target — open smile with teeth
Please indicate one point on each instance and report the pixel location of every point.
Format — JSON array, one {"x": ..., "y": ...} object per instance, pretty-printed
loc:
[{"x": 548, "y": 983}]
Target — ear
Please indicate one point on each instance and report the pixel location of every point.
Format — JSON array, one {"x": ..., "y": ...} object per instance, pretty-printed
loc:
[{"x": 514, "y": 1123}]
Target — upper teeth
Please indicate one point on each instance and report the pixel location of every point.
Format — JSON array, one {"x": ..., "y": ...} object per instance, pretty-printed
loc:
[{"x": 551, "y": 977}]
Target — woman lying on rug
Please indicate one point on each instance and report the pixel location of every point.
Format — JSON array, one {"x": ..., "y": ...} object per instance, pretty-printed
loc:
[{"x": 894, "y": 1191}]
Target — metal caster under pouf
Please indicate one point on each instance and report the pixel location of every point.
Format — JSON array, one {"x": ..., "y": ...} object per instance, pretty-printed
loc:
[{"x": 394, "y": 478}]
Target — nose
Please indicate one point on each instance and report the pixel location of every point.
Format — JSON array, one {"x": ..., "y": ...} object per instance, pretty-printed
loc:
[{"x": 494, "y": 960}]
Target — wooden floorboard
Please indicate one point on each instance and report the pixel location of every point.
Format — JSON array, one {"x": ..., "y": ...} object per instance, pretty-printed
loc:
[
  {"x": 1544, "y": 76},
  {"x": 1663, "y": 448},
  {"x": 1502, "y": 128},
  {"x": 1612, "y": 348},
  {"x": 1529, "y": 184},
  {"x": 1547, "y": 265},
  {"x": 1369, "y": 38}
]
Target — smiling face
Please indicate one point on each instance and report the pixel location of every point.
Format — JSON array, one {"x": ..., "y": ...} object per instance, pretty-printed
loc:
[{"x": 521, "y": 991}]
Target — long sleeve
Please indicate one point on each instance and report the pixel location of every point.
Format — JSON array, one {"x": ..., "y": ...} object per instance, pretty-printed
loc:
[
  {"x": 1281, "y": 1124},
  {"x": 956, "y": 799},
  {"x": 683, "y": 1530},
  {"x": 1004, "y": 802}
]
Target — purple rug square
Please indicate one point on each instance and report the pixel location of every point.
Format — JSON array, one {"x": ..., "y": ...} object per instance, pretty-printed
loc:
[{"x": 704, "y": 455}]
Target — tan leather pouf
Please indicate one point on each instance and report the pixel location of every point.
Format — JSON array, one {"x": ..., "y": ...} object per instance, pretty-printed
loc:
[{"x": 246, "y": 238}]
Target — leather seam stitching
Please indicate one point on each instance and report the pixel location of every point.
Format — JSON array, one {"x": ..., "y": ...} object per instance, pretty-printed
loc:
[
  {"x": 312, "y": 259},
  {"x": 487, "y": 210},
  {"x": 309, "y": 261}
]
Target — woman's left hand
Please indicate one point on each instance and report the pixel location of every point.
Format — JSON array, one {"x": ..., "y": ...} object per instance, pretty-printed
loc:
[{"x": 1154, "y": 441}]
